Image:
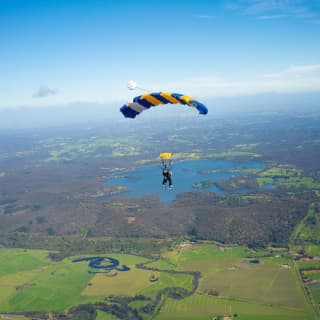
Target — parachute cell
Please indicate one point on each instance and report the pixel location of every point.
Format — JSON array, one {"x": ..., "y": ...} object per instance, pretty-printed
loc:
[{"x": 148, "y": 100}]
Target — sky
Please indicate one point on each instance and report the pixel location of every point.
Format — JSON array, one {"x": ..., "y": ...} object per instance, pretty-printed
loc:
[{"x": 60, "y": 52}]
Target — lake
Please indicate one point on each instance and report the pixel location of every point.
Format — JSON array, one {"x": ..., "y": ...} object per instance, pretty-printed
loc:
[{"x": 148, "y": 180}]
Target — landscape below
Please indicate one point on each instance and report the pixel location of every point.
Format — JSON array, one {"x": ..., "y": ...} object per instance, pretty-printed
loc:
[
  {"x": 191, "y": 280},
  {"x": 203, "y": 255}
]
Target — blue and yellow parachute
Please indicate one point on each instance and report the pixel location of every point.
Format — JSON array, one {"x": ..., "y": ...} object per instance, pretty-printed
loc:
[{"x": 148, "y": 100}]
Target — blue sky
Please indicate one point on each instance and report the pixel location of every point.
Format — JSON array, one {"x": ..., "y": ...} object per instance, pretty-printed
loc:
[{"x": 55, "y": 52}]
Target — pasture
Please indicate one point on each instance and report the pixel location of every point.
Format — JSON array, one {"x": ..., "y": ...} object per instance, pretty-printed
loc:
[
  {"x": 286, "y": 176},
  {"x": 314, "y": 283},
  {"x": 203, "y": 307},
  {"x": 229, "y": 283},
  {"x": 54, "y": 287},
  {"x": 135, "y": 282},
  {"x": 43, "y": 285},
  {"x": 312, "y": 250},
  {"x": 265, "y": 283},
  {"x": 105, "y": 316},
  {"x": 31, "y": 282},
  {"x": 227, "y": 273},
  {"x": 17, "y": 260}
]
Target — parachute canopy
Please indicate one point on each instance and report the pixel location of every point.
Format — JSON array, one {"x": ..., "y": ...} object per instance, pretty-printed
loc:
[
  {"x": 165, "y": 155},
  {"x": 132, "y": 85},
  {"x": 147, "y": 100},
  {"x": 166, "y": 158}
]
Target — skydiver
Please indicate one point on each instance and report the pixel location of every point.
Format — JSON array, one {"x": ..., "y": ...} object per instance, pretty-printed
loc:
[{"x": 167, "y": 174}]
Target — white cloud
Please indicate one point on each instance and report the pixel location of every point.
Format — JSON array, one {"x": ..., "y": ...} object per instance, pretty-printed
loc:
[
  {"x": 205, "y": 16},
  {"x": 261, "y": 6},
  {"x": 293, "y": 70},
  {"x": 277, "y": 9},
  {"x": 44, "y": 91},
  {"x": 274, "y": 17},
  {"x": 294, "y": 79},
  {"x": 303, "y": 69}
]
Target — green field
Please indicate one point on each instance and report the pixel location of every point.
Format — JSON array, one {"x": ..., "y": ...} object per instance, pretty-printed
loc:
[
  {"x": 202, "y": 307},
  {"x": 228, "y": 272},
  {"x": 105, "y": 316},
  {"x": 229, "y": 283},
  {"x": 308, "y": 230},
  {"x": 303, "y": 239},
  {"x": 53, "y": 287},
  {"x": 15, "y": 260},
  {"x": 257, "y": 283},
  {"x": 287, "y": 176},
  {"x": 310, "y": 271},
  {"x": 68, "y": 150},
  {"x": 312, "y": 250},
  {"x": 162, "y": 264},
  {"x": 314, "y": 283}
]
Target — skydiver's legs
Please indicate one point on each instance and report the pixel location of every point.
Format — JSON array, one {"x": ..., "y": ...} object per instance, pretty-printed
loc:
[
  {"x": 170, "y": 181},
  {"x": 164, "y": 181}
]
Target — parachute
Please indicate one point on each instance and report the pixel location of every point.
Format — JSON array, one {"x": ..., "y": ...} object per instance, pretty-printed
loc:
[
  {"x": 132, "y": 85},
  {"x": 166, "y": 158},
  {"x": 165, "y": 155},
  {"x": 148, "y": 100}
]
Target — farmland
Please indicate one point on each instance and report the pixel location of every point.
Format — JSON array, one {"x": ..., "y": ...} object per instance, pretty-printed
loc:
[
  {"x": 202, "y": 307},
  {"x": 229, "y": 283}
]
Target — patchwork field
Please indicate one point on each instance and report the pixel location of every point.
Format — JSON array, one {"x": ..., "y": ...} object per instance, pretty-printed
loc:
[
  {"x": 228, "y": 276},
  {"x": 231, "y": 283},
  {"x": 287, "y": 176}
]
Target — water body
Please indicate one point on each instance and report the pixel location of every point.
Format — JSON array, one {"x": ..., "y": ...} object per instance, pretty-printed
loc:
[
  {"x": 102, "y": 263},
  {"x": 148, "y": 180}
]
